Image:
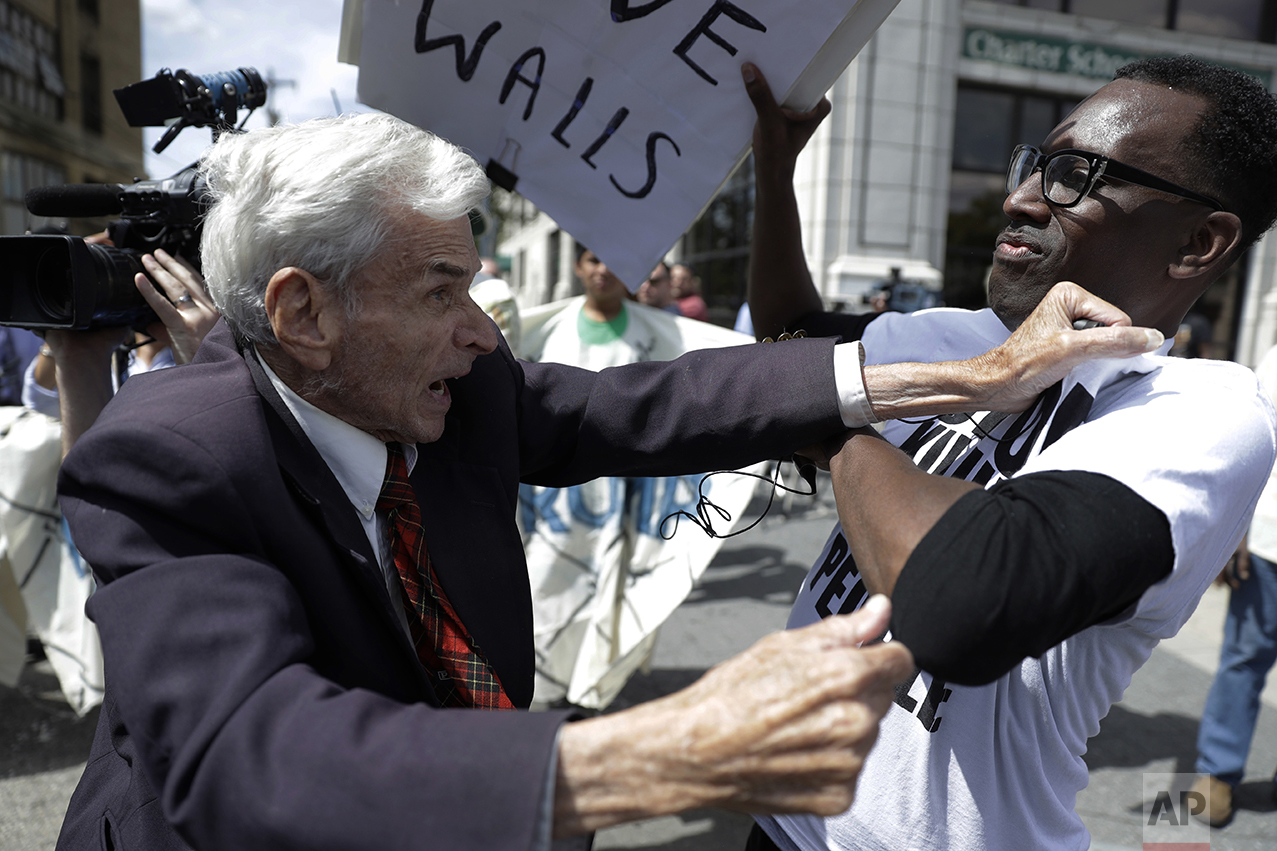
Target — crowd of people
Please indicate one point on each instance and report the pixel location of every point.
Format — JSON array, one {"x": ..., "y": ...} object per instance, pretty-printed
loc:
[{"x": 317, "y": 541}]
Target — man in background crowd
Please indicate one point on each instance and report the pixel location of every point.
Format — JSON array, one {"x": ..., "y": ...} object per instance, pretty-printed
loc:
[
  {"x": 604, "y": 577},
  {"x": 658, "y": 290},
  {"x": 687, "y": 292}
]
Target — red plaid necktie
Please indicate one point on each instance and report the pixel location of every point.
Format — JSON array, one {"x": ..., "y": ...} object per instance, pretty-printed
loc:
[{"x": 462, "y": 677}]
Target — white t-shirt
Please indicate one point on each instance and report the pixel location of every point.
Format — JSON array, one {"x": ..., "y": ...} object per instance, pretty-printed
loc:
[{"x": 999, "y": 766}]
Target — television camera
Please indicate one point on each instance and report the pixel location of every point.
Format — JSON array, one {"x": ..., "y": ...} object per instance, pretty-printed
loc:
[{"x": 56, "y": 281}]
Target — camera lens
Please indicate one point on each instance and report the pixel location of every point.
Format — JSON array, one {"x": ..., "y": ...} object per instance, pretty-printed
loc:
[{"x": 53, "y": 284}]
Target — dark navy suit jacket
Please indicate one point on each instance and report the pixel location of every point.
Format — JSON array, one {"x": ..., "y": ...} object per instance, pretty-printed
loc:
[{"x": 260, "y": 692}]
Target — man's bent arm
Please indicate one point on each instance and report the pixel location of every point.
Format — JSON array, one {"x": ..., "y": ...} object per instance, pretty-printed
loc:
[{"x": 986, "y": 578}]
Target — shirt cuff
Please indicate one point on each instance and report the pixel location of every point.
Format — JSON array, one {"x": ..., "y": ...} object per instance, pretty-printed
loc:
[
  {"x": 849, "y": 380},
  {"x": 543, "y": 831},
  {"x": 37, "y": 398}
]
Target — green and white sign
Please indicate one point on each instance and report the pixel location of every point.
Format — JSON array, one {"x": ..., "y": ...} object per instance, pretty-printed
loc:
[{"x": 1064, "y": 56}]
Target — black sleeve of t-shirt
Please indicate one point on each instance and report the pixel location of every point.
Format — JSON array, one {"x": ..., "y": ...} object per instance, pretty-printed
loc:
[
  {"x": 1009, "y": 572},
  {"x": 849, "y": 326}
]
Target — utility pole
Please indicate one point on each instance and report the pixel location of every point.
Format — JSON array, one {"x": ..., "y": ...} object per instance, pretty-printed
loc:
[{"x": 272, "y": 114}]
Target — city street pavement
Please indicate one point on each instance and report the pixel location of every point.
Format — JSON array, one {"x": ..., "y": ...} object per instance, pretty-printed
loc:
[{"x": 745, "y": 594}]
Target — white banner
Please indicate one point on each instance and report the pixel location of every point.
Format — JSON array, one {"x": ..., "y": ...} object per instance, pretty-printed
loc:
[
  {"x": 54, "y": 582},
  {"x": 620, "y": 119},
  {"x": 604, "y": 577}
]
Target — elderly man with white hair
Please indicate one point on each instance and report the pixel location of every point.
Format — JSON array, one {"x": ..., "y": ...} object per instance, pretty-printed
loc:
[{"x": 310, "y": 579}]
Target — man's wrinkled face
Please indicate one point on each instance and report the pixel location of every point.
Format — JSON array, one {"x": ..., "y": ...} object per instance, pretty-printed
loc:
[
  {"x": 415, "y": 328},
  {"x": 1118, "y": 241}
]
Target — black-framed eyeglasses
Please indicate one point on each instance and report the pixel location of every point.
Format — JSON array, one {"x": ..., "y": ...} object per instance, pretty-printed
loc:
[{"x": 1068, "y": 176}]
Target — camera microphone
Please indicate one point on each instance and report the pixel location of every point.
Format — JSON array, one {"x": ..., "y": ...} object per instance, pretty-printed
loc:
[{"x": 76, "y": 200}]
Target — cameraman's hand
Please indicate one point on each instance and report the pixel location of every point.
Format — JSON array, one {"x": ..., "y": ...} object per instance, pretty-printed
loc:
[{"x": 187, "y": 312}]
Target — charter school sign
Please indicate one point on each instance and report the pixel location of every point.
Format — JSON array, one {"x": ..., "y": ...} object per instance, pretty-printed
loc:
[
  {"x": 619, "y": 118},
  {"x": 1062, "y": 56}
]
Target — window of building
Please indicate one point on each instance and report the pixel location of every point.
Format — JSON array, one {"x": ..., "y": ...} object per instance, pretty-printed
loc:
[
  {"x": 30, "y": 63},
  {"x": 19, "y": 173},
  {"x": 89, "y": 8},
  {"x": 1249, "y": 20},
  {"x": 988, "y": 124},
  {"x": 1144, "y": 13},
  {"x": 91, "y": 93},
  {"x": 717, "y": 245}
]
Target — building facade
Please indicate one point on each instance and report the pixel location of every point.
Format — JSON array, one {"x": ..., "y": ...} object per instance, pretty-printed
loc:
[
  {"x": 59, "y": 62},
  {"x": 907, "y": 172}
]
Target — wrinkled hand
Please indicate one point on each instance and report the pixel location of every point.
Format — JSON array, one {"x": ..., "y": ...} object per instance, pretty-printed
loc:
[
  {"x": 1046, "y": 347},
  {"x": 783, "y": 727},
  {"x": 780, "y": 133},
  {"x": 787, "y": 725},
  {"x": 183, "y": 306}
]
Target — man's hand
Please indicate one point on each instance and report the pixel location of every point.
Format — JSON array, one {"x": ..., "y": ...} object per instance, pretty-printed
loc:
[
  {"x": 783, "y": 727},
  {"x": 184, "y": 307},
  {"x": 780, "y": 133},
  {"x": 1046, "y": 346},
  {"x": 1010, "y": 377},
  {"x": 1236, "y": 569}
]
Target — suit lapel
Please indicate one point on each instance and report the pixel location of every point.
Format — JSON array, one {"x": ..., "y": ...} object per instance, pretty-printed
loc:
[{"x": 322, "y": 497}]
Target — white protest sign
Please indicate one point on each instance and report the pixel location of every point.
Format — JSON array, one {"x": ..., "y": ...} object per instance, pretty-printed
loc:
[{"x": 619, "y": 118}]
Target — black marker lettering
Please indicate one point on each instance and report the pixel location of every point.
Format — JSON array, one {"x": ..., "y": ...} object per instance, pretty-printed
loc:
[
  {"x": 465, "y": 66},
  {"x": 516, "y": 74},
  {"x": 577, "y": 102},
  {"x": 620, "y": 115},
  {"x": 643, "y": 190},
  {"x": 720, "y": 7},
  {"x": 621, "y": 11}
]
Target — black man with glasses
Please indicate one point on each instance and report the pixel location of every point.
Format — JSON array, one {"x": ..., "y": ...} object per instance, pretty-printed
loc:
[{"x": 1034, "y": 560}]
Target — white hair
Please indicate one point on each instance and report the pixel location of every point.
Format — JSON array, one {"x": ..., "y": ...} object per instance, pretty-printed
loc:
[{"x": 323, "y": 196}]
